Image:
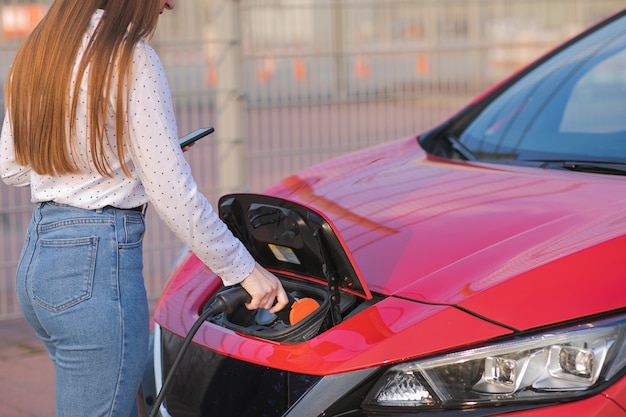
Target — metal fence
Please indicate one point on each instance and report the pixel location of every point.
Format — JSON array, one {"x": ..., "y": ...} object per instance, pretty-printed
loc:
[{"x": 311, "y": 79}]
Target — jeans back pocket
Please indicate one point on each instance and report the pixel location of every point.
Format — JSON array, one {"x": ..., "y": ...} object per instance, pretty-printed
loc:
[{"x": 63, "y": 272}]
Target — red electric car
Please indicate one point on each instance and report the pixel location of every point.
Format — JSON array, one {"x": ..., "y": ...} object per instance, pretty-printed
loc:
[{"x": 478, "y": 269}]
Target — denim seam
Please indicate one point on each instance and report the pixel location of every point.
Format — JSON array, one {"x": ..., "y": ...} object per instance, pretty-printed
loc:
[{"x": 120, "y": 311}]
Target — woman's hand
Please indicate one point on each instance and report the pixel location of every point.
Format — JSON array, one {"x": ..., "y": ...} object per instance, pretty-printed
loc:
[{"x": 265, "y": 290}]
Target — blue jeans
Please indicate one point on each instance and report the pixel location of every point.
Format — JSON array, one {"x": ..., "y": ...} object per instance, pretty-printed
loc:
[{"x": 80, "y": 286}]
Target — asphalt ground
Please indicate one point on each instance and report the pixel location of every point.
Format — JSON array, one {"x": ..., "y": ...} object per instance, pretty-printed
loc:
[{"x": 26, "y": 372}]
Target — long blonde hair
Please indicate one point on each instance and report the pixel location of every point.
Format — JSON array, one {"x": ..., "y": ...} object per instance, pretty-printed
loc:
[{"x": 40, "y": 81}]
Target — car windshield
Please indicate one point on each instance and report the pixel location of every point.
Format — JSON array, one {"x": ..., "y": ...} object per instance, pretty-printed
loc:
[{"x": 570, "y": 108}]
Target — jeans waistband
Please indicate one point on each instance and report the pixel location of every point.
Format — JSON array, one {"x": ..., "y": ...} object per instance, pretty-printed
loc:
[{"x": 140, "y": 209}]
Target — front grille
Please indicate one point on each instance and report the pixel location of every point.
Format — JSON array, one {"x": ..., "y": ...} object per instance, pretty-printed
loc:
[{"x": 210, "y": 384}]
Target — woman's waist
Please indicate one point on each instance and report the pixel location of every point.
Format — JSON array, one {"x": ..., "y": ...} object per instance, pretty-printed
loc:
[{"x": 90, "y": 194}]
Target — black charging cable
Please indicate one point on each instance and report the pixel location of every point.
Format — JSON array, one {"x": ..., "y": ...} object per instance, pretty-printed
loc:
[{"x": 225, "y": 302}]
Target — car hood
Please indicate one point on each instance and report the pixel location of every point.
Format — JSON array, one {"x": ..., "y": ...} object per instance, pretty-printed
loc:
[{"x": 521, "y": 247}]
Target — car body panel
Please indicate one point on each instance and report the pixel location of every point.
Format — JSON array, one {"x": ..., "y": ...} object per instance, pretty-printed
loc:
[
  {"x": 481, "y": 228},
  {"x": 617, "y": 393},
  {"x": 392, "y": 329},
  {"x": 464, "y": 224}
]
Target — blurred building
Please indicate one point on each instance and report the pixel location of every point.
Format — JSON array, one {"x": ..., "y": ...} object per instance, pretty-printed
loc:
[{"x": 401, "y": 41}]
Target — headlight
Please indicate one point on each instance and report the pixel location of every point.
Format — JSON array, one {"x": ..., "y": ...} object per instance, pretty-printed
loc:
[{"x": 560, "y": 365}]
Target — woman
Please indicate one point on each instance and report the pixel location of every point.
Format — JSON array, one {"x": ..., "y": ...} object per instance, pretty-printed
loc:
[{"x": 91, "y": 129}]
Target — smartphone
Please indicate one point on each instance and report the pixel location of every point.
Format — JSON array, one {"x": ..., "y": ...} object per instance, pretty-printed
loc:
[{"x": 190, "y": 138}]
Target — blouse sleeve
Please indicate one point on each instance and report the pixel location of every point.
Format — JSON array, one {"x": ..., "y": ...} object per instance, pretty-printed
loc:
[
  {"x": 167, "y": 178},
  {"x": 10, "y": 171}
]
